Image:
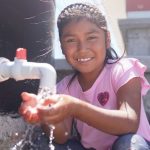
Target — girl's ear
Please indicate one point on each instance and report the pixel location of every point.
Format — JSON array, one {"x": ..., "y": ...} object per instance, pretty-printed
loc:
[{"x": 108, "y": 40}]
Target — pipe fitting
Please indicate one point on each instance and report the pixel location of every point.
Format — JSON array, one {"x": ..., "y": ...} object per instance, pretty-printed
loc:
[{"x": 20, "y": 69}]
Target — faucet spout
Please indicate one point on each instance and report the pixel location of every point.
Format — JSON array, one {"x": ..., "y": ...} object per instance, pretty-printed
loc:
[{"x": 20, "y": 69}]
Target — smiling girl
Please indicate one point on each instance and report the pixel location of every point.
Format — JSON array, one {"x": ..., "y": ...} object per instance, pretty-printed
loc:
[{"x": 103, "y": 97}]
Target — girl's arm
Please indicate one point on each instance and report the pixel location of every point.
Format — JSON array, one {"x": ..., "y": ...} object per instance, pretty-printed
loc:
[{"x": 124, "y": 120}]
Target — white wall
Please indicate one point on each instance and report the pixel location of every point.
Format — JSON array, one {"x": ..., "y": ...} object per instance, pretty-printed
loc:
[
  {"x": 115, "y": 10},
  {"x": 138, "y": 14}
]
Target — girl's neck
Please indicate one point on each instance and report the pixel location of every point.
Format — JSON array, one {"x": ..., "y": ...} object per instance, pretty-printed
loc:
[{"x": 87, "y": 80}]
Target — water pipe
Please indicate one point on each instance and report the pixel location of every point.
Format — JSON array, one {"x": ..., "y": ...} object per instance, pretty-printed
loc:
[{"x": 20, "y": 69}]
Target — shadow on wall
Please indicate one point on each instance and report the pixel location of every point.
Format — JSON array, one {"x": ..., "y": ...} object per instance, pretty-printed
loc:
[{"x": 27, "y": 24}]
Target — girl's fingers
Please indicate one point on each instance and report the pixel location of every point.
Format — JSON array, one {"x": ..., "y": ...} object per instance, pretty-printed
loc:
[
  {"x": 28, "y": 96},
  {"x": 23, "y": 108},
  {"x": 29, "y": 99},
  {"x": 51, "y": 109},
  {"x": 31, "y": 117},
  {"x": 50, "y": 119},
  {"x": 44, "y": 110},
  {"x": 48, "y": 102},
  {"x": 50, "y": 114}
]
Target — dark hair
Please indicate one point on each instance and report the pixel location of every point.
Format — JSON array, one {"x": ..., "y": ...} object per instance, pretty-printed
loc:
[{"x": 79, "y": 11}]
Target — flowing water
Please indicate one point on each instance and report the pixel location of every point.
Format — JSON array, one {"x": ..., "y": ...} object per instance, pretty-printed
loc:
[
  {"x": 51, "y": 137},
  {"x": 27, "y": 140}
]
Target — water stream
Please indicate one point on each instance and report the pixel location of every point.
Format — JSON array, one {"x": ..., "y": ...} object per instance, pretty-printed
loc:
[{"x": 32, "y": 137}]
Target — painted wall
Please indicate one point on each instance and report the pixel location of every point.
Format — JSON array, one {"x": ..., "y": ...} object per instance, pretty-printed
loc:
[
  {"x": 138, "y": 5},
  {"x": 114, "y": 12},
  {"x": 138, "y": 8}
]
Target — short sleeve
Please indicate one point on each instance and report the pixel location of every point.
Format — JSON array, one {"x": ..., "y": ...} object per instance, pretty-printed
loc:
[{"x": 126, "y": 69}]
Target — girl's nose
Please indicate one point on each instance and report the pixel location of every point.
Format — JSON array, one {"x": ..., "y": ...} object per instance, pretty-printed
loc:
[{"x": 82, "y": 46}]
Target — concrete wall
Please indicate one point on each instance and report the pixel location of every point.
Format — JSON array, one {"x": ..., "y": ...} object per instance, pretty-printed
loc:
[{"x": 136, "y": 35}]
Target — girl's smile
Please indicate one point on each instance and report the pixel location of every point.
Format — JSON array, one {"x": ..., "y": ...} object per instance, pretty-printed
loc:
[{"x": 82, "y": 60}]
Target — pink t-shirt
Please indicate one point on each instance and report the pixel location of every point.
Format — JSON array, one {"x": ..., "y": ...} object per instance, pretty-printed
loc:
[{"x": 103, "y": 95}]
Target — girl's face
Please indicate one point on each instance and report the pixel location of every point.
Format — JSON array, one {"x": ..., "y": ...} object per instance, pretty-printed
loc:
[{"x": 84, "y": 46}]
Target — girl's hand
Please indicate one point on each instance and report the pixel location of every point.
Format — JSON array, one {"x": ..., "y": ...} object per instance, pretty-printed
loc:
[
  {"x": 52, "y": 110},
  {"x": 61, "y": 109},
  {"x": 28, "y": 108}
]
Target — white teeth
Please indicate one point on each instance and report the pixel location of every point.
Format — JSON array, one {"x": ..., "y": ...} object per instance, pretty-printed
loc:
[{"x": 84, "y": 59}]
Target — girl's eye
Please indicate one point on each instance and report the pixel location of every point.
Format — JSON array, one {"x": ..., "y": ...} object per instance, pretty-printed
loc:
[
  {"x": 70, "y": 40},
  {"x": 92, "y": 38}
]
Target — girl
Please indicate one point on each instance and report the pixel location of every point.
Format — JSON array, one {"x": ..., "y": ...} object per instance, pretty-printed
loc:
[{"x": 104, "y": 95}]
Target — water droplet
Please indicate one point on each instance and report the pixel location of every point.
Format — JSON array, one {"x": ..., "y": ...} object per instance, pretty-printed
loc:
[{"x": 133, "y": 140}]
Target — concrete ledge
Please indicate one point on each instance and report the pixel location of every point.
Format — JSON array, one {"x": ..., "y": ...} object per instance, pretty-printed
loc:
[
  {"x": 61, "y": 64},
  {"x": 136, "y": 35},
  {"x": 134, "y": 22}
]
